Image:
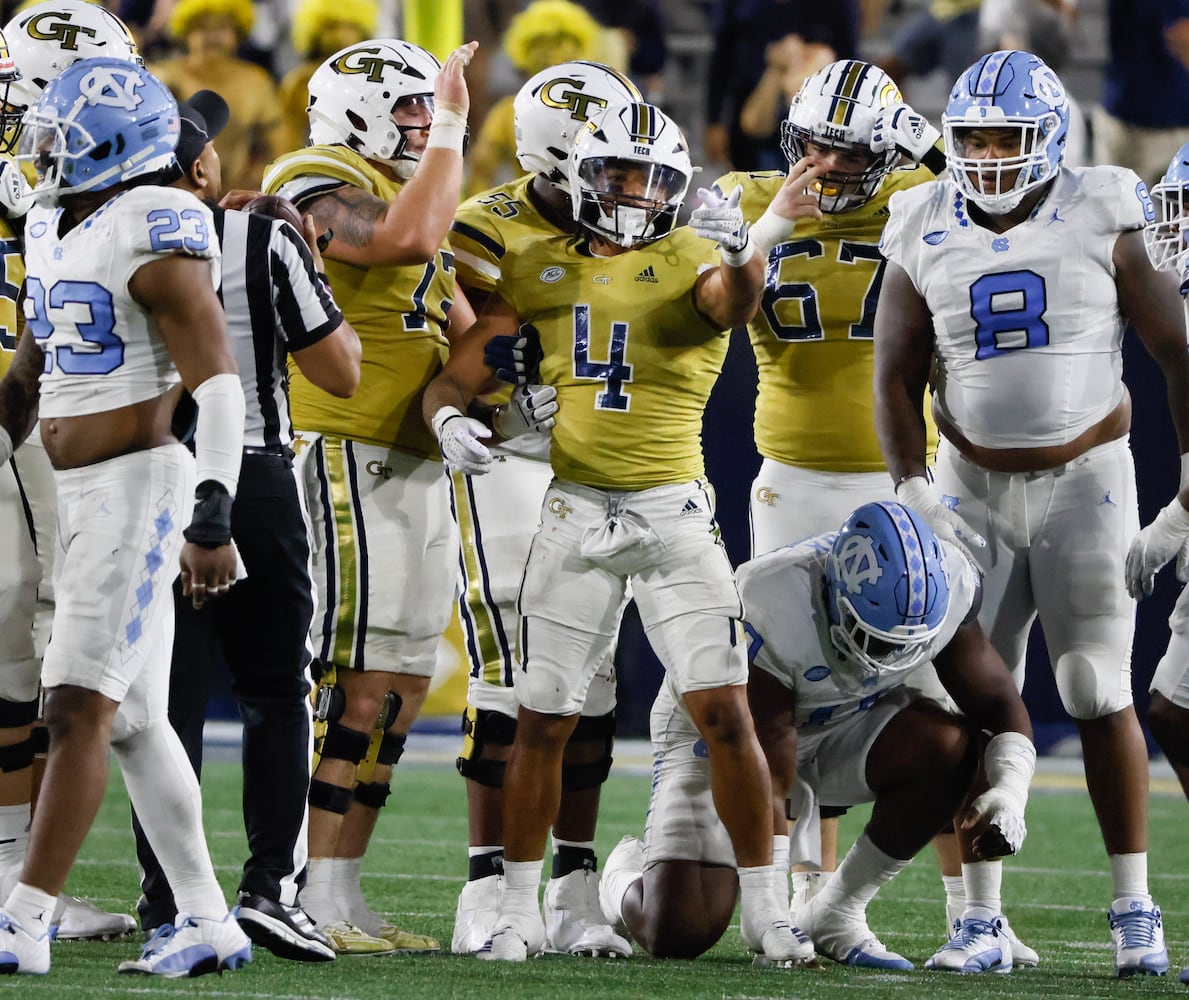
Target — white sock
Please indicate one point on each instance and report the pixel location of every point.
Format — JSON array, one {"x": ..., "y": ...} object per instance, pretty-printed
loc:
[
  {"x": 780, "y": 867},
  {"x": 758, "y": 902},
  {"x": 983, "y": 881},
  {"x": 1129, "y": 875},
  {"x": 345, "y": 874},
  {"x": 955, "y": 898},
  {"x": 614, "y": 887},
  {"x": 317, "y": 898},
  {"x": 859, "y": 876},
  {"x": 522, "y": 885},
  {"x": 14, "y": 839},
  {"x": 31, "y": 907},
  {"x": 165, "y": 794}
]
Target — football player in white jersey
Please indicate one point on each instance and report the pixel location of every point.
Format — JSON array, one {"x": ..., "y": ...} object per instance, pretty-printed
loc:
[
  {"x": 838, "y": 624},
  {"x": 632, "y": 318},
  {"x": 42, "y": 41},
  {"x": 1008, "y": 284},
  {"x": 497, "y": 515},
  {"x": 121, "y": 273},
  {"x": 1168, "y": 711}
]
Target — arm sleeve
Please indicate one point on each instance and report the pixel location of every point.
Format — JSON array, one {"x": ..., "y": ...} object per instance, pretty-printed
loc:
[{"x": 305, "y": 309}]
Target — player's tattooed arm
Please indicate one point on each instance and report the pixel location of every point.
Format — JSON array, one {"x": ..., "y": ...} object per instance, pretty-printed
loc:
[{"x": 353, "y": 215}]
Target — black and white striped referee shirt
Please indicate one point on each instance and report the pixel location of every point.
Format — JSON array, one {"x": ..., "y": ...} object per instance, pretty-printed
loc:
[{"x": 275, "y": 304}]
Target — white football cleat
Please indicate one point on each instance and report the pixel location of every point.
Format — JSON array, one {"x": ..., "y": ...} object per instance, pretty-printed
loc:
[
  {"x": 1138, "y": 933},
  {"x": 1022, "y": 956},
  {"x": 622, "y": 867},
  {"x": 574, "y": 922},
  {"x": 846, "y": 939},
  {"x": 978, "y": 945},
  {"x": 517, "y": 936},
  {"x": 20, "y": 951},
  {"x": 77, "y": 919},
  {"x": 475, "y": 916},
  {"x": 194, "y": 946},
  {"x": 806, "y": 885},
  {"x": 774, "y": 939}
]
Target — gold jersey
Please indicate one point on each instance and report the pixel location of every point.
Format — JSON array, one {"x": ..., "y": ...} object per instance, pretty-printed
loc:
[
  {"x": 812, "y": 335},
  {"x": 632, "y": 358},
  {"x": 399, "y": 313},
  {"x": 12, "y": 276}
]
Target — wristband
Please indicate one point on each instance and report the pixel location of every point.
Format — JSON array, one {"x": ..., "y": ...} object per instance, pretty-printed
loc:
[
  {"x": 5, "y": 446},
  {"x": 210, "y": 526},
  {"x": 440, "y": 418},
  {"x": 771, "y": 230},
  {"x": 738, "y": 258},
  {"x": 447, "y": 131}
]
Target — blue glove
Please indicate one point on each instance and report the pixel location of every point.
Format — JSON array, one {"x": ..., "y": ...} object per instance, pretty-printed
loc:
[{"x": 516, "y": 359}]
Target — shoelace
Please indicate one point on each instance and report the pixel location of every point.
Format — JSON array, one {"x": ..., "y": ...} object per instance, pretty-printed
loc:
[
  {"x": 1138, "y": 928},
  {"x": 973, "y": 928},
  {"x": 161, "y": 937}
]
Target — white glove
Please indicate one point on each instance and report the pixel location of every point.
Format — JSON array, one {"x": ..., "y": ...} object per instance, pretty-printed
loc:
[
  {"x": 529, "y": 410},
  {"x": 917, "y": 493},
  {"x": 902, "y": 129},
  {"x": 16, "y": 197},
  {"x": 721, "y": 219},
  {"x": 459, "y": 438},
  {"x": 1010, "y": 763},
  {"x": 1154, "y": 546},
  {"x": 1004, "y": 819}
]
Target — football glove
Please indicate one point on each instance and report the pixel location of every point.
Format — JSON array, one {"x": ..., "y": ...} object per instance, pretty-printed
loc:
[
  {"x": 1002, "y": 820},
  {"x": 529, "y": 411},
  {"x": 1154, "y": 546},
  {"x": 721, "y": 219},
  {"x": 460, "y": 439},
  {"x": 916, "y": 492},
  {"x": 516, "y": 359},
  {"x": 16, "y": 197},
  {"x": 900, "y": 128}
]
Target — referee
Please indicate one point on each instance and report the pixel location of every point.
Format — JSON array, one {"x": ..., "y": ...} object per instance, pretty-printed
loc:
[{"x": 277, "y": 304}]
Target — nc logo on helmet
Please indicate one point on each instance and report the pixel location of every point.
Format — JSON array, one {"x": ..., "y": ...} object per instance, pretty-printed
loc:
[
  {"x": 55, "y": 26},
  {"x": 113, "y": 88},
  {"x": 1047, "y": 87},
  {"x": 366, "y": 61},
  {"x": 581, "y": 106},
  {"x": 855, "y": 563}
]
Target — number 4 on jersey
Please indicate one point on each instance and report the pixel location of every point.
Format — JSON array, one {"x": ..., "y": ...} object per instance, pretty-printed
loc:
[{"x": 614, "y": 371}]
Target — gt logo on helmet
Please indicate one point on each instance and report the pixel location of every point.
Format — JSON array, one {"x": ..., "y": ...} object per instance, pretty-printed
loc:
[
  {"x": 364, "y": 61},
  {"x": 581, "y": 106},
  {"x": 57, "y": 29}
]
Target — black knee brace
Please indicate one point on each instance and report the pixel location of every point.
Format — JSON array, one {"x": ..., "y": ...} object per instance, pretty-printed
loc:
[
  {"x": 373, "y": 794},
  {"x": 15, "y": 714},
  {"x": 332, "y": 798},
  {"x": 481, "y": 726},
  {"x": 16, "y": 756},
  {"x": 590, "y": 729}
]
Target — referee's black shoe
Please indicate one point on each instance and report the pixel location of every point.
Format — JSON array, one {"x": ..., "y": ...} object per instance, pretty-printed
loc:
[{"x": 286, "y": 931}]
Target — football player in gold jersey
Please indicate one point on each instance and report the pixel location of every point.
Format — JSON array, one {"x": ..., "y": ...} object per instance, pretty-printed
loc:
[
  {"x": 383, "y": 175},
  {"x": 497, "y": 517},
  {"x": 632, "y": 319}
]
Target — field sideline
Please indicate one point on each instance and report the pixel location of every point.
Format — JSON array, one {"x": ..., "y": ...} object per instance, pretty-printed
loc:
[{"x": 1056, "y": 893}]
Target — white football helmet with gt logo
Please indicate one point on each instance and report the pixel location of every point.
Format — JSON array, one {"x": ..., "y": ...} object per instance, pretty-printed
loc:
[
  {"x": 629, "y": 171},
  {"x": 354, "y": 93},
  {"x": 836, "y": 108},
  {"x": 554, "y": 104},
  {"x": 48, "y": 37}
]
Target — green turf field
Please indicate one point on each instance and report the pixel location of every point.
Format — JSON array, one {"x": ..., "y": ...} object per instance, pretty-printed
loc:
[{"x": 1056, "y": 894}]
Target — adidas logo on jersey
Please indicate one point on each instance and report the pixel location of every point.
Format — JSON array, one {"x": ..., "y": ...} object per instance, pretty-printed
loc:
[
  {"x": 648, "y": 274},
  {"x": 690, "y": 507}
]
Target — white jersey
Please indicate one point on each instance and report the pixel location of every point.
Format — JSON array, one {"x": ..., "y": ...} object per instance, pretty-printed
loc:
[
  {"x": 788, "y": 627},
  {"x": 102, "y": 350},
  {"x": 1028, "y": 333}
]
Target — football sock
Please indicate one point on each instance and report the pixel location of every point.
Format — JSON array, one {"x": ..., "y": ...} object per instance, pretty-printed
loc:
[
  {"x": 31, "y": 908},
  {"x": 14, "y": 839},
  {"x": 483, "y": 862},
  {"x": 983, "y": 881},
  {"x": 522, "y": 883},
  {"x": 859, "y": 876},
  {"x": 1129, "y": 874},
  {"x": 955, "y": 898},
  {"x": 780, "y": 867},
  {"x": 572, "y": 856}
]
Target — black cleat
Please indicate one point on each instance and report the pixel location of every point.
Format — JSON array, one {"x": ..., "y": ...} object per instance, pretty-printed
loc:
[{"x": 286, "y": 931}]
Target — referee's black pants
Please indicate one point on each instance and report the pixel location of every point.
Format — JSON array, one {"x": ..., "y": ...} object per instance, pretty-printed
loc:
[{"x": 260, "y": 628}]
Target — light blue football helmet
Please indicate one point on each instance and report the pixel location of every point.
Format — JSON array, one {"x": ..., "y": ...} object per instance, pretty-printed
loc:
[
  {"x": 1013, "y": 90},
  {"x": 887, "y": 593},
  {"x": 1165, "y": 237},
  {"x": 101, "y": 122}
]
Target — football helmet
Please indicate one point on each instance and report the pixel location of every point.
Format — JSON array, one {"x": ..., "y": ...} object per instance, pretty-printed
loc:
[
  {"x": 10, "y": 113},
  {"x": 354, "y": 93},
  {"x": 99, "y": 123},
  {"x": 1009, "y": 90},
  {"x": 1165, "y": 237},
  {"x": 554, "y": 104},
  {"x": 887, "y": 592},
  {"x": 628, "y": 172},
  {"x": 836, "y": 108},
  {"x": 47, "y": 37}
]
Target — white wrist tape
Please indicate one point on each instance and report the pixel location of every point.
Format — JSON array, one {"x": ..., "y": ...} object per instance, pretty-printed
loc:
[
  {"x": 5, "y": 446},
  {"x": 1010, "y": 762},
  {"x": 1184, "y": 471},
  {"x": 447, "y": 131},
  {"x": 771, "y": 230},
  {"x": 444, "y": 414},
  {"x": 219, "y": 435},
  {"x": 738, "y": 258}
]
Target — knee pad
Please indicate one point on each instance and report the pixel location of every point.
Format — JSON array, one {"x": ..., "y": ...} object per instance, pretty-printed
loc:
[
  {"x": 15, "y": 714},
  {"x": 599, "y": 730},
  {"x": 380, "y": 748},
  {"x": 16, "y": 756},
  {"x": 373, "y": 794},
  {"x": 40, "y": 738},
  {"x": 331, "y": 739},
  {"x": 1088, "y": 691},
  {"x": 331, "y": 798},
  {"x": 480, "y": 727}
]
